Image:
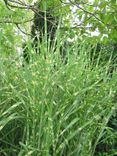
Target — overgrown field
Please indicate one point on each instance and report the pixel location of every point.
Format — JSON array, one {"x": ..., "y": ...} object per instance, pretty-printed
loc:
[{"x": 49, "y": 108}]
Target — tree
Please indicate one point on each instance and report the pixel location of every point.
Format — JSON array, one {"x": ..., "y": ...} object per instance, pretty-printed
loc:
[{"x": 87, "y": 15}]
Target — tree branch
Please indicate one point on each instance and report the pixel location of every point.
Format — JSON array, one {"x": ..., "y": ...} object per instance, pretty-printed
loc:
[
  {"x": 85, "y": 11},
  {"x": 16, "y": 22},
  {"x": 22, "y": 30}
]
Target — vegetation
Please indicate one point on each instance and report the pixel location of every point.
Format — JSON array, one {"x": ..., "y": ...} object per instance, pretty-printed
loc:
[{"x": 49, "y": 107}]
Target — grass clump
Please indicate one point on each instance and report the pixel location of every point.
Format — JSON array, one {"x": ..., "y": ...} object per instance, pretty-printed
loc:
[{"x": 51, "y": 108}]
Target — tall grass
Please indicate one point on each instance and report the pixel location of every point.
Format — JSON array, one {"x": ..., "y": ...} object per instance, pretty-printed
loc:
[{"x": 51, "y": 108}]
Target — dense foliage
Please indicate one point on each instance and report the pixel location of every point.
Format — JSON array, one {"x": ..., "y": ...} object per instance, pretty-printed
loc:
[
  {"x": 82, "y": 17},
  {"x": 49, "y": 107}
]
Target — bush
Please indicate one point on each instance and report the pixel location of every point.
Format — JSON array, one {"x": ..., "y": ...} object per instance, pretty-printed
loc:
[{"x": 48, "y": 108}]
